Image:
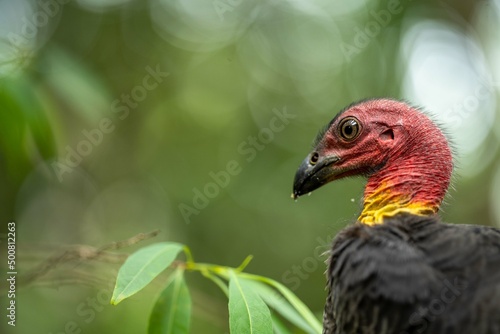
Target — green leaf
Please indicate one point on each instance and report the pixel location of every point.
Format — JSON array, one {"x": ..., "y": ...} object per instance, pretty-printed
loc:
[
  {"x": 301, "y": 308},
  {"x": 248, "y": 314},
  {"x": 142, "y": 267},
  {"x": 27, "y": 135},
  {"x": 298, "y": 305},
  {"x": 278, "y": 326},
  {"x": 172, "y": 310},
  {"x": 276, "y": 301}
]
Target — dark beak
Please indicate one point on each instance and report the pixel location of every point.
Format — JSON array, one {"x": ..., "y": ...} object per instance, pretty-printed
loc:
[{"x": 314, "y": 172}]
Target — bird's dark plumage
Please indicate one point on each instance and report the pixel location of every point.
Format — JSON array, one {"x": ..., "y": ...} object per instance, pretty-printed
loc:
[
  {"x": 414, "y": 274},
  {"x": 398, "y": 269}
]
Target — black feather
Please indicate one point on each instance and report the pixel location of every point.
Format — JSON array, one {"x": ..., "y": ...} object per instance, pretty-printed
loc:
[{"x": 414, "y": 274}]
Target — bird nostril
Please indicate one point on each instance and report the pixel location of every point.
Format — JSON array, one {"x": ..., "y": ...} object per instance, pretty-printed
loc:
[{"x": 314, "y": 158}]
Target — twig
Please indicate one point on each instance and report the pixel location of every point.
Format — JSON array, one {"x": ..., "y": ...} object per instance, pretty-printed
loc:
[{"x": 82, "y": 253}]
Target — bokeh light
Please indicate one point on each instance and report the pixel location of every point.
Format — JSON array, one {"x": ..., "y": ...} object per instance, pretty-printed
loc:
[{"x": 447, "y": 74}]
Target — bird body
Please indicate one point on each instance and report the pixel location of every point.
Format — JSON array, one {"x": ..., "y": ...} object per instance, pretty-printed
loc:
[
  {"x": 398, "y": 268},
  {"x": 414, "y": 274}
]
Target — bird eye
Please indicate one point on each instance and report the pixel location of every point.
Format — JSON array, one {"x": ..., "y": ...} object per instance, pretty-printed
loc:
[
  {"x": 314, "y": 159},
  {"x": 349, "y": 128}
]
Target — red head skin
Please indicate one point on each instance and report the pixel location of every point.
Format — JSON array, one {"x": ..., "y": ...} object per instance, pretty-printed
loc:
[{"x": 405, "y": 156}]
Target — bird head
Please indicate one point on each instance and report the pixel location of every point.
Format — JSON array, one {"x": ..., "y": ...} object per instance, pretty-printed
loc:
[{"x": 404, "y": 155}]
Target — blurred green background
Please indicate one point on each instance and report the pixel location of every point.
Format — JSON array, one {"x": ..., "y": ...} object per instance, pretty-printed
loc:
[{"x": 115, "y": 115}]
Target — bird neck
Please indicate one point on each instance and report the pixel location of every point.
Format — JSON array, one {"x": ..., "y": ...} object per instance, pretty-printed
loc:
[{"x": 413, "y": 181}]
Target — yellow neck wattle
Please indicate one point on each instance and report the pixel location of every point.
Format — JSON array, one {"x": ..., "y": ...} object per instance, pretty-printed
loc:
[
  {"x": 386, "y": 202},
  {"x": 372, "y": 215}
]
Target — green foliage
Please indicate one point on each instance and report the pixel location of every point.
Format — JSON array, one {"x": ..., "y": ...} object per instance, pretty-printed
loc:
[
  {"x": 276, "y": 301},
  {"x": 248, "y": 313},
  {"x": 26, "y": 129},
  {"x": 26, "y": 137},
  {"x": 142, "y": 267},
  {"x": 250, "y": 296},
  {"x": 172, "y": 310}
]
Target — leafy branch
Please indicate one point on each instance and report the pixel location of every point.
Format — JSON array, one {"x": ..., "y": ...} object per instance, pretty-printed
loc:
[{"x": 250, "y": 296}]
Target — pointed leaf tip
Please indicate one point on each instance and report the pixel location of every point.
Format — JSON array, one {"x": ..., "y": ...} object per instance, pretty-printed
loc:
[{"x": 142, "y": 267}]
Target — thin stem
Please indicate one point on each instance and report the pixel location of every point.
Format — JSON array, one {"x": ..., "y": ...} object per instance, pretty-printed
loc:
[
  {"x": 303, "y": 310},
  {"x": 189, "y": 255},
  {"x": 245, "y": 263},
  {"x": 217, "y": 281}
]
